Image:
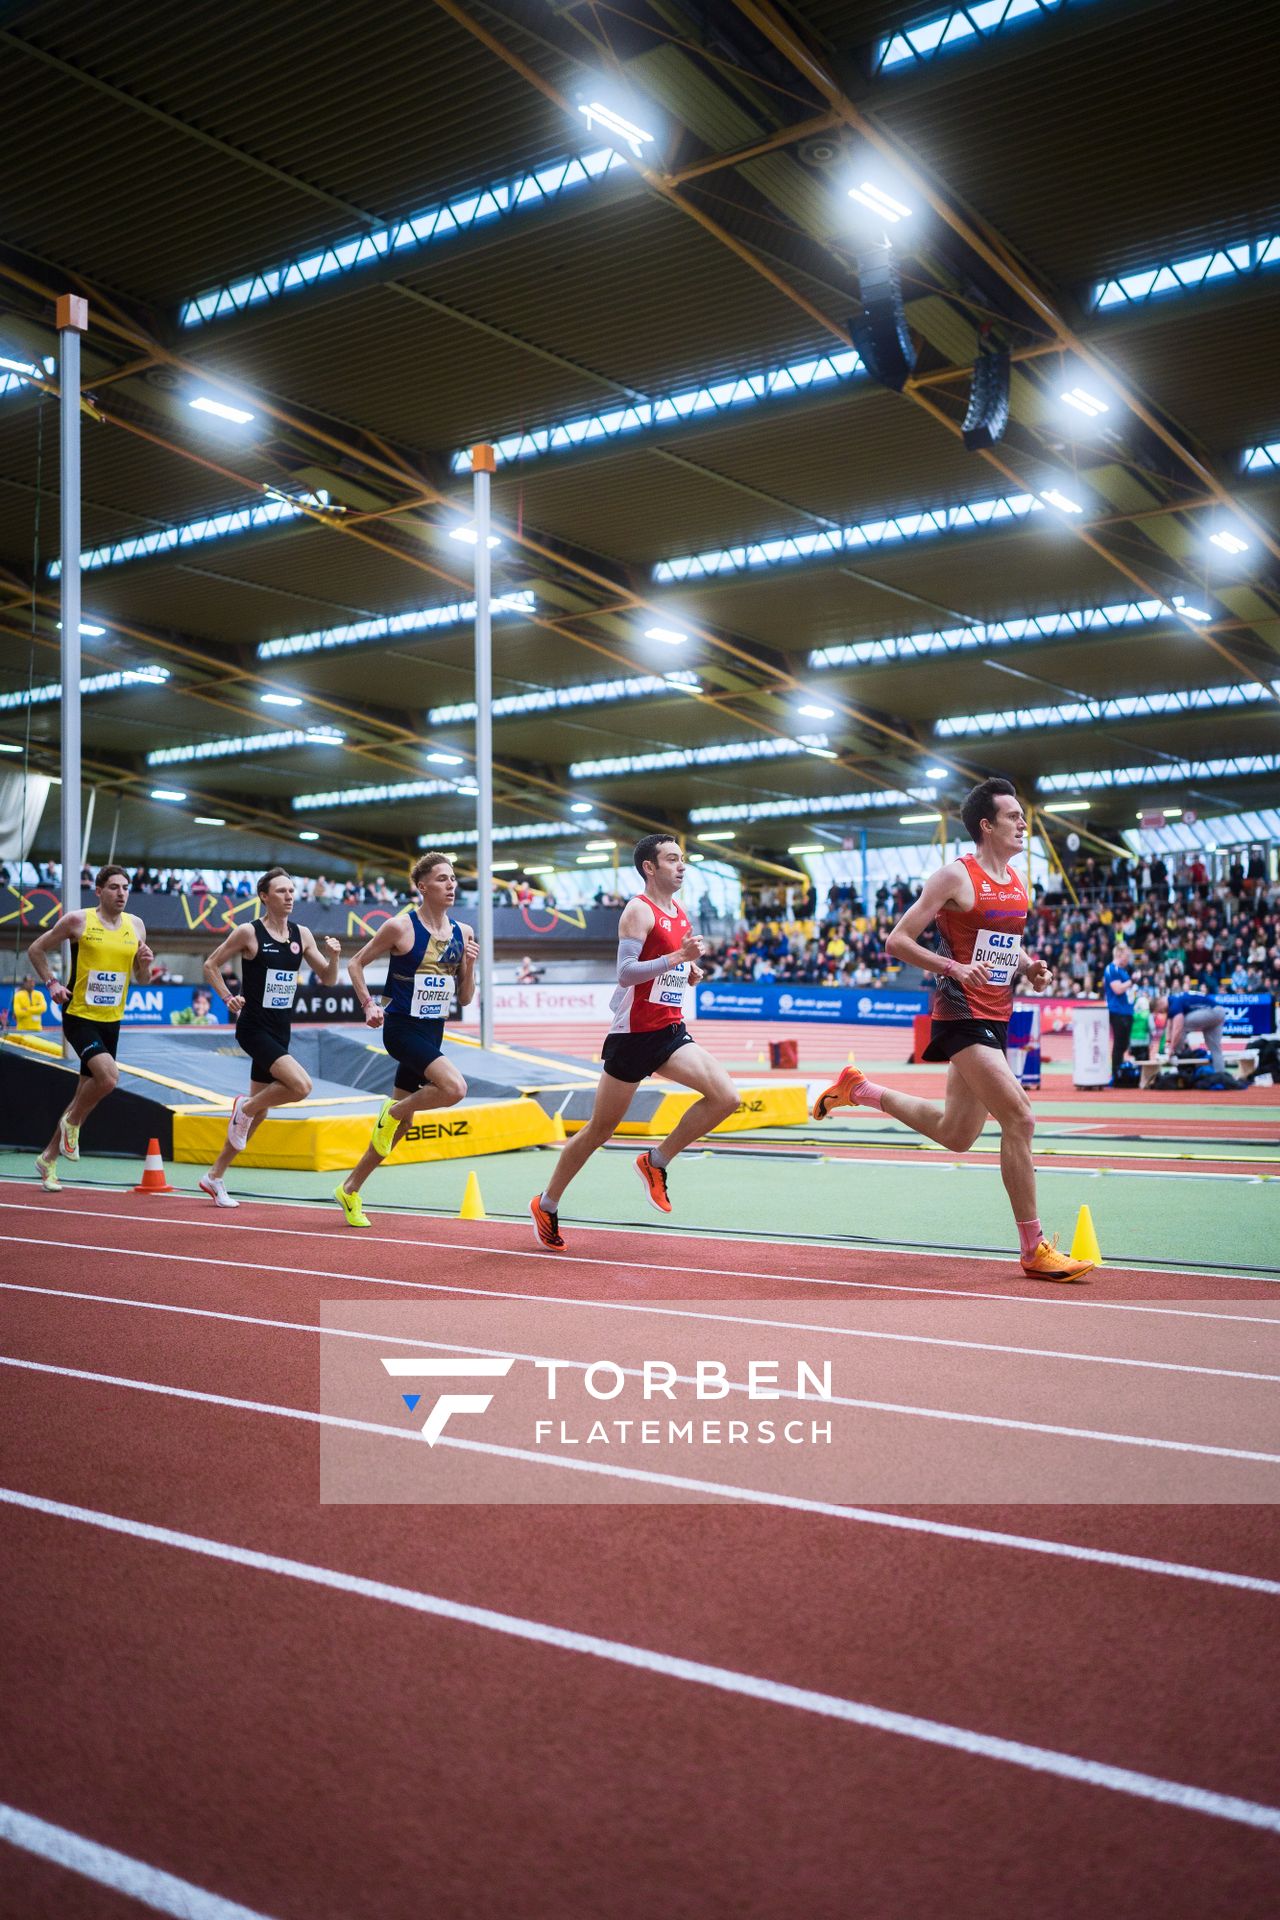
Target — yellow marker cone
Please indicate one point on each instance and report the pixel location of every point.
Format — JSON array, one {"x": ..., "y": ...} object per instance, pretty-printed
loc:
[
  {"x": 472, "y": 1207},
  {"x": 557, "y": 1126},
  {"x": 1084, "y": 1242}
]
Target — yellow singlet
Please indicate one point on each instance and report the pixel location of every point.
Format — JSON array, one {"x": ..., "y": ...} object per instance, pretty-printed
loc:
[{"x": 101, "y": 968}]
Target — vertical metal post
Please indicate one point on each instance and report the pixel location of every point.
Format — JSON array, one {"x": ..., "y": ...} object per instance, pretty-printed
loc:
[
  {"x": 862, "y": 861},
  {"x": 1031, "y": 828},
  {"x": 482, "y": 466},
  {"x": 73, "y": 320}
]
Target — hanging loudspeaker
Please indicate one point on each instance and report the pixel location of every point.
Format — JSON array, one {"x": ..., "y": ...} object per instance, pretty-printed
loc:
[
  {"x": 880, "y": 330},
  {"x": 988, "y": 414}
]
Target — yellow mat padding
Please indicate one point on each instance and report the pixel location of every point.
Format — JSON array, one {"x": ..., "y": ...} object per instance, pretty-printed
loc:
[
  {"x": 767, "y": 1106},
  {"x": 328, "y": 1142}
]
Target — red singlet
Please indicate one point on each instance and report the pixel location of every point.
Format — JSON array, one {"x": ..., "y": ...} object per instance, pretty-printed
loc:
[
  {"x": 991, "y": 930},
  {"x": 660, "y": 1002}
]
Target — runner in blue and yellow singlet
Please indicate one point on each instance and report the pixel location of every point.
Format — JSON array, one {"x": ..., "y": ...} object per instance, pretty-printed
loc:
[
  {"x": 430, "y": 956},
  {"x": 108, "y": 950}
]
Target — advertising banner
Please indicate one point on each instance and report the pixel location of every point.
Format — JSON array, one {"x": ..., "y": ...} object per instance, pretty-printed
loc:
[{"x": 769, "y": 1000}]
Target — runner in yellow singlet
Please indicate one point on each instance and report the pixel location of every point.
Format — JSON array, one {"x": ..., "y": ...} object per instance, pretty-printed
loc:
[{"x": 108, "y": 950}]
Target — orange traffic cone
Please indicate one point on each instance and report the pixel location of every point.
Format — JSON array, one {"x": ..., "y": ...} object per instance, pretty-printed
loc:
[{"x": 153, "y": 1175}]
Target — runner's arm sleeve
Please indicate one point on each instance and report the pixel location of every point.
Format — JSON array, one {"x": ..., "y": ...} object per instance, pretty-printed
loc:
[{"x": 633, "y": 971}]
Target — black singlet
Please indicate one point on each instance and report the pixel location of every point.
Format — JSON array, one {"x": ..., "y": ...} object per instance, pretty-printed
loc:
[{"x": 270, "y": 975}]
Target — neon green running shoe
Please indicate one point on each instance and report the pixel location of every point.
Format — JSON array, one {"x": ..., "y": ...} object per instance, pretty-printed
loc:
[
  {"x": 352, "y": 1208},
  {"x": 48, "y": 1176},
  {"x": 384, "y": 1130}
]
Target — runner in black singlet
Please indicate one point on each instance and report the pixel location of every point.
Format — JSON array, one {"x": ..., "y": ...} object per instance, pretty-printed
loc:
[{"x": 270, "y": 952}]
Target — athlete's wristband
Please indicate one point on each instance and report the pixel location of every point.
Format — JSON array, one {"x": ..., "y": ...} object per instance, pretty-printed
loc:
[{"x": 948, "y": 967}]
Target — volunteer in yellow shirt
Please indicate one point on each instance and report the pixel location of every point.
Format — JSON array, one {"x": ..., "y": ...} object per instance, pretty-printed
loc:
[
  {"x": 29, "y": 1006},
  {"x": 108, "y": 950}
]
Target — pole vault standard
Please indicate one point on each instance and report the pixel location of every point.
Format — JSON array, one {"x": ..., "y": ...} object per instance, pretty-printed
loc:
[
  {"x": 483, "y": 464},
  {"x": 73, "y": 320}
]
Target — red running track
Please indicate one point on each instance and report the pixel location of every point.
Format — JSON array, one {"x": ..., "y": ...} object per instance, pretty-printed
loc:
[{"x": 319, "y": 1752}]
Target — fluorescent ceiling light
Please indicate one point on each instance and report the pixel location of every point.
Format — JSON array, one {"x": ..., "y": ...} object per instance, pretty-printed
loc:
[
  {"x": 808, "y": 846},
  {"x": 1191, "y": 613},
  {"x": 576, "y": 693},
  {"x": 672, "y": 636},
  {"x": 445, "y": 759},
  {"x": 233, "y": 748},
  {"x": 470, "y": 538},
  {"x": 1172, "y": 813},
  {"x": 632, "y": 136},
  {"x": 880, "y": 202},
  {"x": 1167, "y": 773},
  {"x": 505, "y": 866},
  {"x": 999, "y": 633},
  {"x": 390, "y": 627},
  {"x": 167, "y": 793},
  {"x": 600, "y": 846},
  {"x": 7, "y": 746},
  {"x": 730, "y": 751},
  {"x": 496, "y": 201},
  {"x": 93, "y": 633},
  {"x": 935, "y": 773},
  {"x": 469, "y": 789},
  {"x": 1229, "y": 542},
  {"x": 530, "y": 830},
  {"x": 280, "y": 700},
  {"x": 307, "y": 834},
  {"x": 1063, "y": 501},
  {"x": 590, "y": 860},
  {"x": 537, "y": 873},
  {"x": 718, "y": 394},
  {"x": 581, "y": 806},
  {"x": 49, "y": 691},
  {"x": 372, "y": 796},
  {"x": 204, "y": 404},
  {"x": 816, "y": 713},
  {"x": 822, "y": 753},
  {"x": 1085, "y": 402},
  {"x": 830, "y": 542},
  {"x": 209, "y": 820},
  {"x": 726, "y": 833},
  {"x": 917, "y": 819},
  {"x": 824, "y": 803},
  {"x": 694, "y": 855},
  {"x": 1068, "y": 806}
]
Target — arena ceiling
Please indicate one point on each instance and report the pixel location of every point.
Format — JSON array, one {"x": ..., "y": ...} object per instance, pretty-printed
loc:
[{"x": 388, "y": 232}]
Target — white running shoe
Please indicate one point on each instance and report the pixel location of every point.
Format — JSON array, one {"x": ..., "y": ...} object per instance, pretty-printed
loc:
[
  {"x": 239, "y": 1124},
  {"x": 217, "y": 1191},
  {"x": 68, "y": 1139},
  {"x": 48, "y": 1176}
]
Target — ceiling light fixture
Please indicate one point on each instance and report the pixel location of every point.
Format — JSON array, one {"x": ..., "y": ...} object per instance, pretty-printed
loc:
[
  {"x": 167, "y": 793},
  {"x": 672, "y": 636},
  {"x": 632, "y": 136},
  {"x": 445, "y": 759},
  {"x": 1063, "y": 501},
  {"x": 728, "y": 834},
  {"x": 470, "y": 538},
  {"x": 237, "y": 415},
  {"x": 808, "y": 846},
  {"x": 917, "y": 819},
  {"x": 817, "y": 713},
  {"x": 308, "y": 833},
  {"x": 281, "y": 700},
  {"x": 209, "y": 820},
  {"x": 1085, "y": 402},
  {"x": 1229, "y": 542},
  {"x": 878, "y": 201}
]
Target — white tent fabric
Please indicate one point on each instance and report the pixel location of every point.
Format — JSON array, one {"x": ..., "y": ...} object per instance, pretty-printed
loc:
[{"x": 22, "y": 798}]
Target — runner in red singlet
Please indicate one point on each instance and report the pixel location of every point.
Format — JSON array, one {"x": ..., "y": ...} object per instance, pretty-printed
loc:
[
  {"x": 980, "y": 908},
  {"x": 658, "y": 955}
]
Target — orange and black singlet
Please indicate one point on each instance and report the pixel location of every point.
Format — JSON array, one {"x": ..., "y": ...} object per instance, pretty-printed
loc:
[{"x": 990, "y": 931}]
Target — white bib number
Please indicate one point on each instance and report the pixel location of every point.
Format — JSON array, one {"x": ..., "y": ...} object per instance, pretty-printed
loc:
[
  {"x": 278, "y": 988},
  {"x": 432, "y": 996},
  {"x": 998, "y": 952},
  {"x": 103, "y": 989},
  {"x": 668, "y": 989}
]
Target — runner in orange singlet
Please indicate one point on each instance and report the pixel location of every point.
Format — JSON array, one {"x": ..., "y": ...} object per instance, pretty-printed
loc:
[{"x": 980, "y": 907}]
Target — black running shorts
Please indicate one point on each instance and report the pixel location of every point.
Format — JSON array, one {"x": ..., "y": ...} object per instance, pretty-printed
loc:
[
  {"x": 91, "y": 1037},
  {"x": 950, "y": 1037},
  {"x": 263, "y": 1041},
  {"x": 413, "y": 1044},
  {"x": 634, "y": 1056}
]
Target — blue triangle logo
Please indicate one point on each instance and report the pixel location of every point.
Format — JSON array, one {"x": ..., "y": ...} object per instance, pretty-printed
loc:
[{"x": 411, "y": 1400}]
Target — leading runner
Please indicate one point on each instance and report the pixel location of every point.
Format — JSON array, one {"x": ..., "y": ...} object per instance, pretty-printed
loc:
[
  {"x": 108, "y": 949},
  {"x": 980, "y": 907},
  {"x": 658, "y": 955}
]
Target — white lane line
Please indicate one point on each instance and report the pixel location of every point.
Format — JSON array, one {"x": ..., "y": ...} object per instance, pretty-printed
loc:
[
  {"x": 162, "y": 1892},
  {"x": 1072, "y": 1300},
  {"x": 536, "y": 1457},
  {"x": 867, "y": 1516},
  {"x": 785, "y": 1326},
  {"x": 937, "y": 1733},
  {"x": 660, "y": 1310}
]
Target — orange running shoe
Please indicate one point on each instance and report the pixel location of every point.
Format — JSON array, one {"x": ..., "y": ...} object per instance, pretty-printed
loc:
[
  {"x": 840, "y": 1093},
  {"x": 546, "y": 1224},
  {"x": 655, "y": 1182},
  {"x": 1046, "y": 1263}
]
